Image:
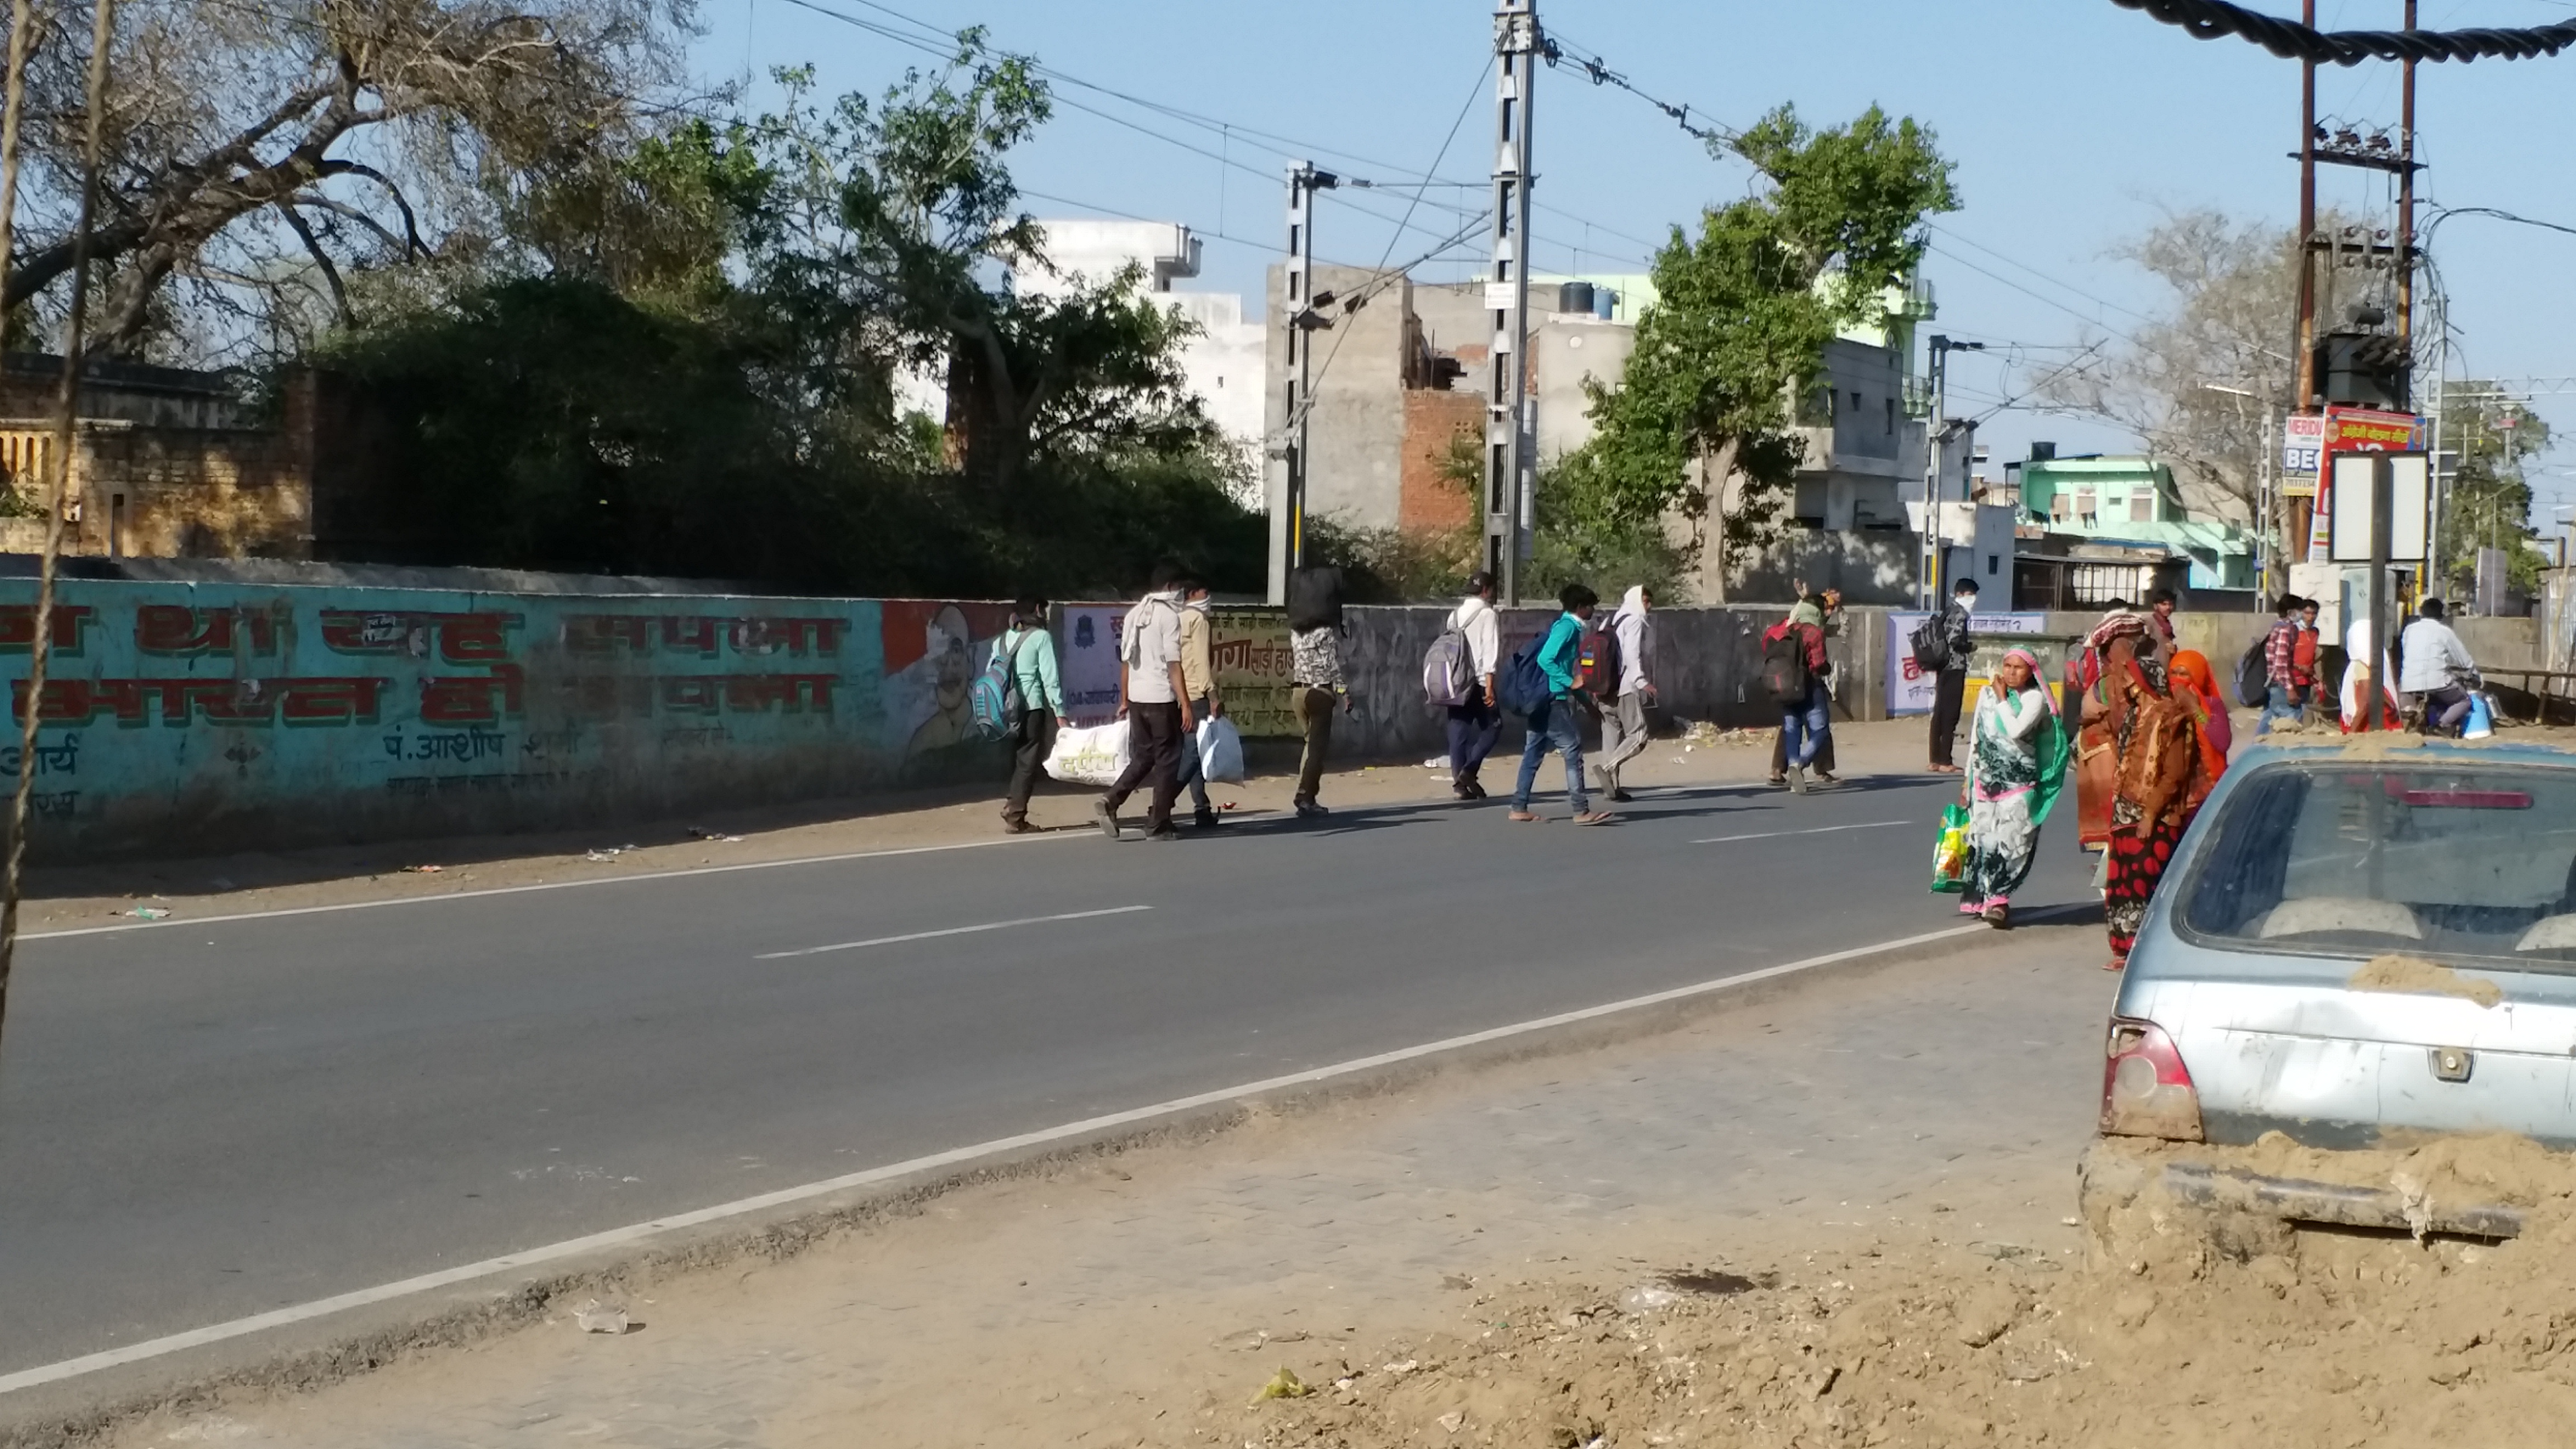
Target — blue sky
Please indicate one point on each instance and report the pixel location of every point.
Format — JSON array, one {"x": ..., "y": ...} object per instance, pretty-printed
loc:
[{"x": 2073, "y": 123}]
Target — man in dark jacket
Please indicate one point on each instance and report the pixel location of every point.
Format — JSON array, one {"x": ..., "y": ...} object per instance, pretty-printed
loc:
[{"x": 1950, "y": 685}]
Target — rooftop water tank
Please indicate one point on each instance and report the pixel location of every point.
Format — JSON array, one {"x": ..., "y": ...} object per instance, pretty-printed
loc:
[
  {"x": 1574, "y": 297},
  {"x": 1605, "y": 304}
]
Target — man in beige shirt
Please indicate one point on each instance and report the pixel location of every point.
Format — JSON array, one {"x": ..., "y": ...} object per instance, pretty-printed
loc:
[{"x": 1198, "y": 686}]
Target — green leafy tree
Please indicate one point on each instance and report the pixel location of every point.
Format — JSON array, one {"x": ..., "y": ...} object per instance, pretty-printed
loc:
[
  {"x": 1700, "y": 424},
  {"x": 2494, "y": 434}
]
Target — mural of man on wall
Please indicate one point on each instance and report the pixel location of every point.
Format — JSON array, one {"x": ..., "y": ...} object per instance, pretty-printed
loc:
[{"x": 932, "y": 652}]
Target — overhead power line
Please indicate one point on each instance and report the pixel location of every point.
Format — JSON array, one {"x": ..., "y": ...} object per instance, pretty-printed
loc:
[
  {"x": 2290, "y": 40},
  {"x": 1552, "y": 50}
]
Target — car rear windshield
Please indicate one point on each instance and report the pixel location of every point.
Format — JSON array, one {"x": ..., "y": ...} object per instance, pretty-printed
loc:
[{"x": 2475, "y": 863}]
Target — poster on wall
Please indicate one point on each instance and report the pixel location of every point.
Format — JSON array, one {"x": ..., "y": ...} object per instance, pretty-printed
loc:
[
  {"x": 1909, "y": 685},
  {"x": 2353, "y": 430},
  {"x": 1248, "y": 647},
  {"x": 2303, "y": 446}
]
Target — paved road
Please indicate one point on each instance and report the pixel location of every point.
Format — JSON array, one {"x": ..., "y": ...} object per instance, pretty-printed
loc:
[{"x": 198, "y": 1123}]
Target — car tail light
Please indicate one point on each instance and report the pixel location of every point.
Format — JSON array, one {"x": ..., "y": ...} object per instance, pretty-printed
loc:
[{"x": 2146, "y": 1091}]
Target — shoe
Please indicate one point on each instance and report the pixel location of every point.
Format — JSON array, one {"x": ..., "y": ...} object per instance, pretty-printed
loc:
[
  {"x": 1104, "y": 816},
  {"x": 1797, "y": 780},
  {"x": 1828, "y": 777},
  {"x": 1475, "y": 790},
  {"x": 1017, "y": 825},
  {"x": 1167, "y": 833},
  {"x": 1462, "y": 792},
  {"x": 1311, "y": 810},
  {"x": 1998, "y": 915},
  {"x": 1779, "y": 779},
  {"x": 1621, "y": 797},
  {"x": 1207, "y": 820}
]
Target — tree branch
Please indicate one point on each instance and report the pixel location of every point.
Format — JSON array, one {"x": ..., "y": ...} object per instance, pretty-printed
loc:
[{"x": 313, "y": 246}]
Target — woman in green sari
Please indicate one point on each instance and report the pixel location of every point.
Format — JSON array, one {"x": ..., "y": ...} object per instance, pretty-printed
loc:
[{"x": 2016, "y": 762}]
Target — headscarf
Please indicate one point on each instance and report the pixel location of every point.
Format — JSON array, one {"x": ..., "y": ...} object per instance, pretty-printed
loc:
[
  {"x": 2195, "y": 682},
  {"x": 2118, "y": 624},
  {"x": 1803, "y": 612},
  {"x": 2048, "y": 744},
  {"x": 1631, "y": 602}
]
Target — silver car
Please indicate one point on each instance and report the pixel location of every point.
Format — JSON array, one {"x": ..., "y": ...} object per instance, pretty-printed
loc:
[{"x": 2355, "y": 940}]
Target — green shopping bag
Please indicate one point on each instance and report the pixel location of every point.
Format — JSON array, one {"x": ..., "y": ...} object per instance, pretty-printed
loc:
[{"x": 1950, "y": 851}]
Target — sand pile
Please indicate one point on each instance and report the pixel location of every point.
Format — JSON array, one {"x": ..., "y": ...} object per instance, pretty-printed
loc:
[{"x": 2173, "y": 1334}]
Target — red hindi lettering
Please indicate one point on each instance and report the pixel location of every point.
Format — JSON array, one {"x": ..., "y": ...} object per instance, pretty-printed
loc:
[
  {"x": 474, "y": 698},
  {"x": 18, "y": 627},
  {"x": 328, "y": 700},
  {"x": 474, "y": 638},
  {"x": 693, "y": 693},
  {"x": 693, "y": 634}
]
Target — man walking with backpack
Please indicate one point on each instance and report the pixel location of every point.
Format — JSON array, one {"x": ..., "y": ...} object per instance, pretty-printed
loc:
[
  {"x": 1032, "y": 703},
  {"x": 1475, "y": 712},
  {"x": 1198, "y": 688},
  {"x": 1315, "y": 680},
  {"x": 1950, "y": 683},
  {"x": 2283, "y": 695},
  {"x": 1153, "y": 696},
  {"x": 1631, "y": 637},
  {"x": 1794, "y": 669},
  {"x": 1544, "y": 677}
]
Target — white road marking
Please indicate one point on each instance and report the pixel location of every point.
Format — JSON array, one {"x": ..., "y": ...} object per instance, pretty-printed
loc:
[
  {"x": 951, "y": 931},
  {"x": 555, "y": 885},
  {"x": 740, "y": 1207},
  {"x": 1819, "y": 830}
]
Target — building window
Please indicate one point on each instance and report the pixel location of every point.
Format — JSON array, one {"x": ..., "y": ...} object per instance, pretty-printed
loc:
[
  {"x": 1891, "y": 416},
  {"x": 2142, "y": 508}
]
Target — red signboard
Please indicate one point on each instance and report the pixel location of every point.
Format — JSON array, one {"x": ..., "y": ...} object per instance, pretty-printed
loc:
[{"x": 2357, "y": 430}]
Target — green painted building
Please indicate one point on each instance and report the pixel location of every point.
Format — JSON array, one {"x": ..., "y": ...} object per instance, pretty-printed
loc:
[{"x": 2133, "y": 500}]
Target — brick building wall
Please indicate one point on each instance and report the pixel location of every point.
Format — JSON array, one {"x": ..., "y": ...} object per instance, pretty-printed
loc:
[
  {"x": 1428, "y": 501},
  {"x": 169, "y": 478}
]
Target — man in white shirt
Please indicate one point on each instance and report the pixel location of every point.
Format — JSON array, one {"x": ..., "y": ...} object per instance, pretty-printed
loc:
[
  {"x": 1475, "y": 725},
  {"x": 2437, "y": 666},
  {"x": 1154, "y": 696},
  {"x": 1623, "y": 715}
]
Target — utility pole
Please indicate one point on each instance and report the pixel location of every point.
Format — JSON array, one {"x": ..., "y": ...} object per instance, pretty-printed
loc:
[
  {"x": 2406, "y": 203},
  {"x": 1935, "y": 434},
  {"x": 1511, "y": 441},
  {"x": 2305, "y": 358},
  {"x": 1302, "y": 321}
]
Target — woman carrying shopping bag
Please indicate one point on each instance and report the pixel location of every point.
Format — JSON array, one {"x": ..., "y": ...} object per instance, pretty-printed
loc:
[{"x": 2017, "y": 755}]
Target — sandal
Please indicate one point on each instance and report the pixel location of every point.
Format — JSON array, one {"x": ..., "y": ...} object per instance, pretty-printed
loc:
[
  {"x": 1523, "y": 817},
  {"x": 1595, "y": 817}
]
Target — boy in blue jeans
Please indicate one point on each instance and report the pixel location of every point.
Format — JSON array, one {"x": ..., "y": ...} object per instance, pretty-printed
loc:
[{"x": 1556, "y": 722}]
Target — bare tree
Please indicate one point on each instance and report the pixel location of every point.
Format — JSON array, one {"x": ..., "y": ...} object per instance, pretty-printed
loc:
[
  {"x": 261, "y": 153},
  {"x": 2180, "y": 383}
]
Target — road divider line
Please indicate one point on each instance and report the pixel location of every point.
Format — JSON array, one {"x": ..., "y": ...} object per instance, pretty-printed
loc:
[
  {"x": 1819, "y": 830},
  {"x": 185, "y": 922},
  {"x": 950, "y": 931},
  {"x": 634, "y": 1233}
]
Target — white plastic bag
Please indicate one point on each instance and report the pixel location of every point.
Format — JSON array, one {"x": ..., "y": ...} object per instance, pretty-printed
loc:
[
  {"x": 1220, "y": 750},
  {"x": 1096, "y": 755}
]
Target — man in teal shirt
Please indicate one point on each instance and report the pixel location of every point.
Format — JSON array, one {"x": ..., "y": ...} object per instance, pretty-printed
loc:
[
  {"x": 1556, "y": 722},
  {"x": 1031, "y": 652}
]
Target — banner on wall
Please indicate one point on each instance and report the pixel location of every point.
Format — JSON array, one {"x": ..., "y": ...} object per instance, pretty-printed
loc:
[
  {"x": 1909, "y": 685},
  {"x": 1249, "y": 648}
]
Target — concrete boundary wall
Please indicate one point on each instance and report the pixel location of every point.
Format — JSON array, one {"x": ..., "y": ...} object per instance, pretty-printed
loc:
[{"x": 187, "y": 716}]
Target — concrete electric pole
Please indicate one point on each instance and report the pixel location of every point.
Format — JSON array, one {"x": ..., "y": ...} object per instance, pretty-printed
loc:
[
  {"x": 1511, "y": 432},
  {"x": 1297, "y": 305},
  {"x": 1935, "y": 438}
]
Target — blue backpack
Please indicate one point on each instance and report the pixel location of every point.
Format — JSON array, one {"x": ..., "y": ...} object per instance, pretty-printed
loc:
[
  {"x": 995, "y": 695},
  {"x": 1524, "y": 684}
]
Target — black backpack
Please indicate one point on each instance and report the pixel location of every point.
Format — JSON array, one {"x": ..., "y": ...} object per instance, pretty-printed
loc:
[
  {"x": 1784, "y": 668},
  {"x": 1931, "y": 640},
  {"x": 1315, "y": 599}
]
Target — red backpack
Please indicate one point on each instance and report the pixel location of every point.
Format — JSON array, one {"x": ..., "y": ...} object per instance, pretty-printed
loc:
[{"x": 1597, "y": 668}]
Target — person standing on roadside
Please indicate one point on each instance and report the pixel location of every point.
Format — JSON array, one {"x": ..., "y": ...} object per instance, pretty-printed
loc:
[
  {"x": 1823, "y": 767},
  {"x": 2017, "y": 755},
  {"x": 1198, "y": 687},
  {"x": 1623, "y": 716},
  {"x": 1794, "y": 649},
  {"x": 1315, "y": 679},
  {"x": 1950, "y": 683},
  {"x": 1029, "y": 652},
  {"x": 1556, "y": 721},
  {"x": 2282, "y": 696},
  {"x": 2161, "y": 604},
  {"x": 1474, "y": 725},
  {"x": 2303, "y": 658},
  {"x": 1154, "y": 697}
]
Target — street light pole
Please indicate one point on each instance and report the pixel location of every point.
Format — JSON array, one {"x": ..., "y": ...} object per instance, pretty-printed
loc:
[
  {"x": 1935, "y": 435},
  {"x": 1511, "y": 446}
]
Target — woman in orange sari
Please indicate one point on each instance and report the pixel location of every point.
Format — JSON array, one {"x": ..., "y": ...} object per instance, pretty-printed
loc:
[
  {"x": 2196, "y": 683},
  {"x": 2159, "y": 776}
]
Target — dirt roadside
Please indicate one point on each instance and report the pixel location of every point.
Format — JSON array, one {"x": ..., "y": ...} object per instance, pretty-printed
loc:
[{"x": 84, "y": 896}]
